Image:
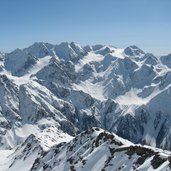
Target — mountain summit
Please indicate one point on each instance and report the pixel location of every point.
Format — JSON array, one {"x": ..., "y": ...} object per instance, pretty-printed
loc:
[{"x": 51, "y": 94}]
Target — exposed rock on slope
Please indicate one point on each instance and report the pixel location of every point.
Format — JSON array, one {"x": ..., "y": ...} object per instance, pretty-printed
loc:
[
  {"x": 73, "y": 88},
  {"x": 94, "y": 150}
]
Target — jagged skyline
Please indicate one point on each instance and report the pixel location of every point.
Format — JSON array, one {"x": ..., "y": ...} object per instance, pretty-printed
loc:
[{"x": 120, "y": 23}]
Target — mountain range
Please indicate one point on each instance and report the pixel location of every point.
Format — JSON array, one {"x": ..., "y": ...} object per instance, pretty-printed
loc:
[{"x": 99, "y": 107}]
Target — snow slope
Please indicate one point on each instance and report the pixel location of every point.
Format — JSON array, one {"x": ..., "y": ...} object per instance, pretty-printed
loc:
[
  {"x": 53, "y": 92},
  {"x": 41, "y": 63},
  {"x": 94, "y": 150}
]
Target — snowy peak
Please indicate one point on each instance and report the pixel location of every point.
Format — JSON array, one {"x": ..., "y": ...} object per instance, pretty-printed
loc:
[
  {"x": 69, "y": 51},
  {"x": 53, "y": 92},
  {"x": 18, "y": 62},
  {"x": 40, "y": 49},
  {"x": 105, "y": 50},
  {"x": 77, "y": 48},
  {"x": 133, "y": 51}
]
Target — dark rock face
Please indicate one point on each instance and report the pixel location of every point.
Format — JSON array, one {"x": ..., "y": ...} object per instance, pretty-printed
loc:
[
  {"x": 166, "y": 60},
  {"x": 133, "y": 51},
  {"x": 54, "y": 73}
]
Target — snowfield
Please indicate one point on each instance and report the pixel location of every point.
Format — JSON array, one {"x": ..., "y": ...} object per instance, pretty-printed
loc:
[{"x": 58, "y": 102}]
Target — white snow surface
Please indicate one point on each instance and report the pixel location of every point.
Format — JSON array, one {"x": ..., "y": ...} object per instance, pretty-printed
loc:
[
  {"x": 90, "y": 150},
  {"x": 49, "y": 93},
  {"x": 42, "y": 62}
]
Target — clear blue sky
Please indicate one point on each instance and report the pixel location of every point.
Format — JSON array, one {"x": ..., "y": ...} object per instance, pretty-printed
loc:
[{"x": 145, "y": 23}]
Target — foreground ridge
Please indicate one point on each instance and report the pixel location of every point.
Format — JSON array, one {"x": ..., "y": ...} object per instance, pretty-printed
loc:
[{"x": 94, "y": 149}]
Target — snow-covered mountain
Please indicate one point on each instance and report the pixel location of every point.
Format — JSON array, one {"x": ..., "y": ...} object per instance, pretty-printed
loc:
[
  {"x": 94, "y": 149},
  {"x": 50, "y": 93}
]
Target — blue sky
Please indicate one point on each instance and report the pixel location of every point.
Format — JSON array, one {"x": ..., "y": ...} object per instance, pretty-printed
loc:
[{"x": 145, "y": 23}]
